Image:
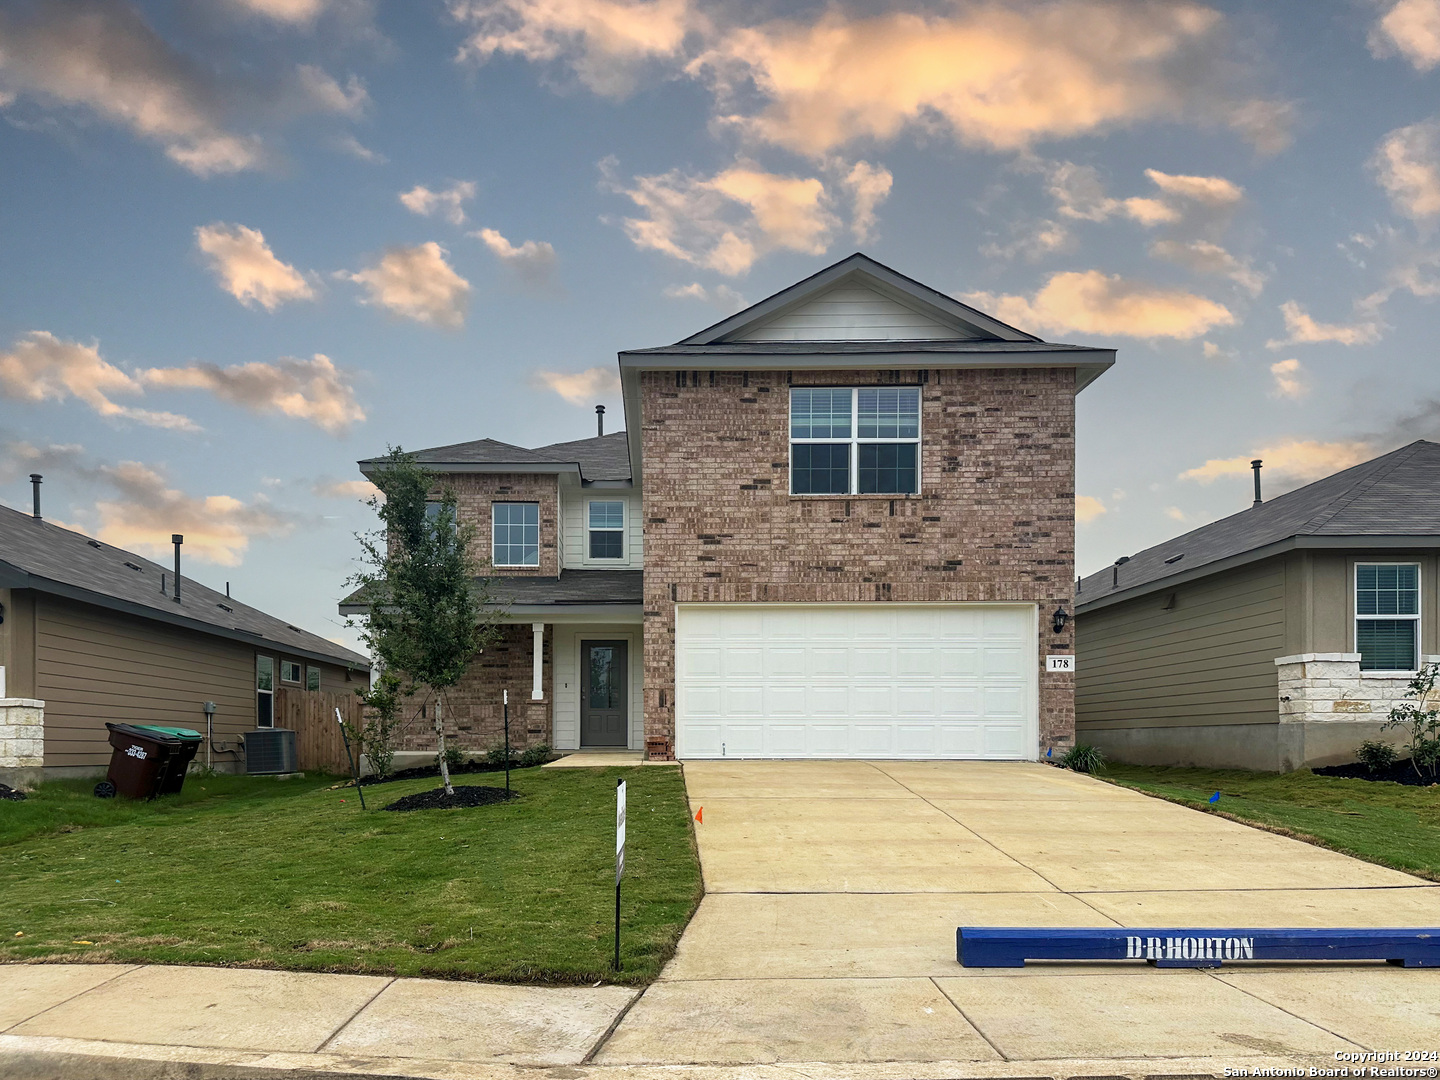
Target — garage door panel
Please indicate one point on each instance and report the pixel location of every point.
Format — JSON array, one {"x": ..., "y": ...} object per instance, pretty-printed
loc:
[{"x": 856, "y": 680}]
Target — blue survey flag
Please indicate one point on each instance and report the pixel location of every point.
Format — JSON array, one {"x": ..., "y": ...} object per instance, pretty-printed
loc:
[{"x": 1215, "y": 798}]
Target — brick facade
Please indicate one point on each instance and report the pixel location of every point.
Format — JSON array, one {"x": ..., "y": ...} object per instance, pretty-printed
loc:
[
  {"x": 474, "y": 492},
  {"x": 994, "y": 520}
]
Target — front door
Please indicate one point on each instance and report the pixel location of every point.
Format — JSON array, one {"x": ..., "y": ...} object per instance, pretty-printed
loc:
[{"x": 604, "y": 719}]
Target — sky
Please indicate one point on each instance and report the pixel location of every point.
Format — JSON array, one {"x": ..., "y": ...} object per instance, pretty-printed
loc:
[{"x": 244, "y": 243}]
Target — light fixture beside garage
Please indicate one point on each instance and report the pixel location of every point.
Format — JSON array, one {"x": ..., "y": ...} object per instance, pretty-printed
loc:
[{"x": 1059, "y": 619}]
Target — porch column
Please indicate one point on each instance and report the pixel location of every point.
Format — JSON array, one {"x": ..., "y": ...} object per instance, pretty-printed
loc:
[{"x": 537, "y": 682}]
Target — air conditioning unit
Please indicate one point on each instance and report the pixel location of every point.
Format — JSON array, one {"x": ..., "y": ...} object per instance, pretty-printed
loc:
[{"x": 270, "y": 750}]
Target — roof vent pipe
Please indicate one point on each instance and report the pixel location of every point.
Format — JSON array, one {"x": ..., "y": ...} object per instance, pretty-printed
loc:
[
  {"x": 599, "y": 420},
  {"x": 35, "y": 488},
  {"x": 1115, "y": 571},
  {"x": 1256, "y": 464},
  {"x": 177, "y": 539}
]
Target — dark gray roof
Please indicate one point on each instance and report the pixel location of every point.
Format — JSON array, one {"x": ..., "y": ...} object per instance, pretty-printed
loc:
[
  {"x": 38, "y": 555},
  {"x": 606, "y": 457},
  {"x": 1393, "y": 497},
  {"x": 838, "y": 348},
  {"x": 572, "y": 587}
]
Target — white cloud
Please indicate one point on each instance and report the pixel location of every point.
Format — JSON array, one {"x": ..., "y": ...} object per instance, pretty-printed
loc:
[
  {"x": 1174, "y": 513},
  {"x": 1412, "y": 29},
  {"x": 1407, "y": 166},
  {"x": 1208, "y": 190},
  {"x": 580, "y": 387},
  {"x": 349, "y": 144},
  {"x": 449, "y": 203},
  {"x": 247, "y": 269},
  {"x": 295, "y": 12},
  {"x": 325, "y": 93},
  {"x": 1080, "y": 195},
  {"x": 1032, "y": 241},
  {"x": 41, "y": 367},
  {"x": 1296, "y": 459},
  {"x": 1304, "y": 330},
  {"x": 533, "y": 261},
  {"x": 605, "y": 42},
  {"x": 1092, "y": 302},
  {"x": 1203, "y": 257},
  {"x": 721, "y": 296},
  {"x": 1088, "y": 508},
  {"x": 999, "y": 76},
  {"x": 344, "y": 489},
  {"x": 416, "y": 283},
  {"x": 1289, "y": 381},
  {"x": 869, "y": 186},
  {"x": 727, "y": 221},
  {"x": 313, "y": 390}
]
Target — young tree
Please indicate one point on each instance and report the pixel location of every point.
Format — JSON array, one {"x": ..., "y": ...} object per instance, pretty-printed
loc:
[
  {"x": 1423, "y": 719},
  {"x": 422, "y": 586}
]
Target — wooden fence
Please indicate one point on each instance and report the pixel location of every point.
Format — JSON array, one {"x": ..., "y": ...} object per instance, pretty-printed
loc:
[{"x": 311, "y": 715}]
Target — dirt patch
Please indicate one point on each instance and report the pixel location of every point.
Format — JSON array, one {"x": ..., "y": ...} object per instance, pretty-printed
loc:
[
  {"x": 425, "y": 771},
  {"x": 7, "y": 792},
  {"x": 436, "y": 799},
  {"x": 1402, "y": 772}
]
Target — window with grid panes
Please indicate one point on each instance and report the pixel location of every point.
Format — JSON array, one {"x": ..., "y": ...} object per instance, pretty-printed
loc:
[
  {"x": 855, "y": 440},
  {"x": 1387, "y": 616}
]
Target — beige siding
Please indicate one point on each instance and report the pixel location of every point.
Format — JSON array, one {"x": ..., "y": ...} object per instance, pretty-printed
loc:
[
  {"x": 94, "y": 666},
  {"x": 1209, "y": 660},
  {"x": 574, "y": 510},
  {"x": 17, "y": 642},
  {"x": 566, "y": 688},
  {"x": 851, "y": 314}
]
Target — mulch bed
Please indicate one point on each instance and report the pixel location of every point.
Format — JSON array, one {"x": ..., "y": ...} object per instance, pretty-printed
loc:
[
  {"x": 422, "y": 771},
  {"x": 7, "y": 792},
  {"x": 436, "y": 799},
  {"x": 1402, "y": 772}
]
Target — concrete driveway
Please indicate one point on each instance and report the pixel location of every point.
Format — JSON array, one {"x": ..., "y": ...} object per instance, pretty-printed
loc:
[{"x": 833, "y": 890}]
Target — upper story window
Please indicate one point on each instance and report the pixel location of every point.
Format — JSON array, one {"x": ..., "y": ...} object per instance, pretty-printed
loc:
[
  {"x": 855, "y": 441},
  {"x": 289, "y": 671},
  {"x": 434, "y": 510},
  {"x": 606, "y": 529},
  {"x": 312, "y": 678},
  {"x": 1387, "y": 616},
  {"x": 517, "y": 534}
]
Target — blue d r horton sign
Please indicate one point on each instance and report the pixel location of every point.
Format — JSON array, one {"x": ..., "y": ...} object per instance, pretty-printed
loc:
[{"x": 1011, "y": 946}]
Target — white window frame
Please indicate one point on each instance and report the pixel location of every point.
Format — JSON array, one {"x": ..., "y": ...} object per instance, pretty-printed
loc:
[
  {"x": 285, "y": 665},
  {"x": 856, "y": 441},
  {"x": 494, "y": 525},
  {"x": 623, "y": 531},
  {"x": 1356, "y": 617},
  {"x": 274, "y": 679}
]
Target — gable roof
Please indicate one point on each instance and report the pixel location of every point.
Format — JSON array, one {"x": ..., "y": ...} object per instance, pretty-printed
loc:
[
  {"x": 37, "y": 555},
  {"x": 968, "y": 324},
  {"x": 1390, "y": 501},
  {"x": 602, "y": 458}
]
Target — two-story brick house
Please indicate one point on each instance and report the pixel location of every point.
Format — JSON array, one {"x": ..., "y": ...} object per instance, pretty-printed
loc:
[{"x": 839, "y": 524}]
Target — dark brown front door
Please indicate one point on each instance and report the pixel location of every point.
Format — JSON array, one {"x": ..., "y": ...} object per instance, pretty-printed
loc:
[{"x": 605, "y": 675}]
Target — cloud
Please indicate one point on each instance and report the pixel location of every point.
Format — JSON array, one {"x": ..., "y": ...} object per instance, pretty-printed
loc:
[
  {"x": 103, "y": 58},
  {"x": 1207, "y": 190},
  {"x": 992, "y": 75},
  {"x": 1412, "y": 29},
  {"x": 606, "y": 43},
  {"x": 533, "y": 261},
  {"x": 580, "y": 387},
  {"x": 1407, "y": 165},
  {"x": 1174, "y": 513},
  {"x": 247, "y": 269},
  {"x": 727, "y": 221},
  {"x": 349, "y": 144},
  {"x": 1091, "y": 302},
  {"x": 1079, "y": 194},
  {"x": 1304, "y": 330},
  {"x": 1203, "y": 257},
  {"x": 312, "y": 390},
  {"x": 41, "y": 367},
  {"x": 1032, "y": 241},
  {"x": 448, "y": 203},
  {"x": 1295, "y": 459},
  {"x": 721, "y": 296},
  {"x": 1288, "y": 381},
  {"x": 344, "y": 489},
  {"x": 869, "y": 186},
  {"x": 1088, "y": 508},
  {"x": 295, "y": 12},
  {"x": 140, "y": 510},
  {"x": 416, "y": 283}
]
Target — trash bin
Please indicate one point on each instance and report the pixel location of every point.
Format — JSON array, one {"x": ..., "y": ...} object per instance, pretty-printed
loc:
[
  {"x": 140, "y": 763},
  {"x": 178, "y": 764}
]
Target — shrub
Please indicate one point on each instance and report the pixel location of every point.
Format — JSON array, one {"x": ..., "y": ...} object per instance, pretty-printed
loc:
[
  {"x": 495, "y": 756},
  {"x": 1375, "y": 756},
  {"x": 535, "y": 755},
  {"x": 1424, "y": 724},
  {"x": 454, "y": 756},
  {"x": 1086, "y": 759}
]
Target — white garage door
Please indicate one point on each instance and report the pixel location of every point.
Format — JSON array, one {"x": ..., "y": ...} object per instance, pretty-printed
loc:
[{"x": 855, "y": 680}]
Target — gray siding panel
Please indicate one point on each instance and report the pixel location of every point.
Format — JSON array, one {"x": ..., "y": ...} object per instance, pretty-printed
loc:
[{"x": 1210, "y": 660}]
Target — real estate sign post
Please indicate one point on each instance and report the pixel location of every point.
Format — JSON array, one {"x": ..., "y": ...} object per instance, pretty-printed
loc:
[{"x": 619, "y": 859}]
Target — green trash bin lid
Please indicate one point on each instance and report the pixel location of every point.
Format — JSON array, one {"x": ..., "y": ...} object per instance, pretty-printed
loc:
[{"x": 174, "y": 732}]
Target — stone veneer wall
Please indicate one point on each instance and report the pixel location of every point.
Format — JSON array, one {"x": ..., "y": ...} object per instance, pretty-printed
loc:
[
  {"x": 22, "y": 733},
  {"x": 994, "y": 520},
  {"x": 1320, "y": 688}
]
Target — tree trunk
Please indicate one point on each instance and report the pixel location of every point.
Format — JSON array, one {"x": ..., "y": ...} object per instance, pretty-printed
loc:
[{"x": 440, "y": 742}]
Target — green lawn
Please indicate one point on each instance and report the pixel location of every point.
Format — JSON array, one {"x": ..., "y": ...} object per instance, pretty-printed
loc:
[
  {"x": 1389, "y": 824},
  {"x": 264, "y": 873}
]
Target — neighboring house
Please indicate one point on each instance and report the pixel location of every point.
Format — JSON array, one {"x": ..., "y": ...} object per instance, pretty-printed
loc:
[
  {"x": 839, "y": 524},
  {"x": 1277, "y": 638},
  {"x": 91, "y": 633}
]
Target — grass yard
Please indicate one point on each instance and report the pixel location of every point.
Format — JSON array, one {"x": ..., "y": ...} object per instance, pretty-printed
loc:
[
  {"x": 262, "y": 873},
  {"x": 1389, "y": 824}
]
